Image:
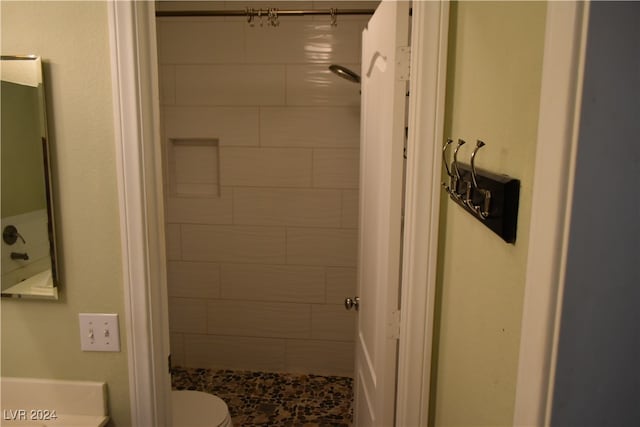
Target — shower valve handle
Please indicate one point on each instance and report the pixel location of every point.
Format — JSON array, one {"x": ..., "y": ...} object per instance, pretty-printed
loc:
[{"x": 10, "y": 235}]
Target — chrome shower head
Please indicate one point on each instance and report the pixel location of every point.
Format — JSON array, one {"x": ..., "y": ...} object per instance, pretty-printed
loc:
[{"x": 345, "y": 73}]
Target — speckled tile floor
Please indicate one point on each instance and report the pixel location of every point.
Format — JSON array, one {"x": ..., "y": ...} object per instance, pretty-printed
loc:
[{"x": 274, "y": 399}]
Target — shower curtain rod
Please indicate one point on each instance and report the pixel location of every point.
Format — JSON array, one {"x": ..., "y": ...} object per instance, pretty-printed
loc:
[{"x": 263, "y": 12}]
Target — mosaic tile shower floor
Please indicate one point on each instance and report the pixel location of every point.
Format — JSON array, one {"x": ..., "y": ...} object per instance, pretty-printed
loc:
[{"x": 274, "y": 399}]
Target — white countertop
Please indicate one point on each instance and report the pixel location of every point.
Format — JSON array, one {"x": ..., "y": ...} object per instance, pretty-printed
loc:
[{"x": 44, "y": 402}]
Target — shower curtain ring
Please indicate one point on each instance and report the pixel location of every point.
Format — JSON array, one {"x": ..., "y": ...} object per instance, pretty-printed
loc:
[
  {"x": 250, "y": 12},
  {"x": 273, "y": 17},
  {"x": 334, "y": 16}
]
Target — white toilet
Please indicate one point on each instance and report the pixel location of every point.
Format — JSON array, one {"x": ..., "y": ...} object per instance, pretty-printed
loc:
[{"x": 198, "y": 409}]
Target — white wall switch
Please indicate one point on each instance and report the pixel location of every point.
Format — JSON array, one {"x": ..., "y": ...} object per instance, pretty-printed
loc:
[{"x": 99, "y": 332}]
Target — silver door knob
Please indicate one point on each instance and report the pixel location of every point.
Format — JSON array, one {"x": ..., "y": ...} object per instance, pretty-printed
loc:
[{"x": 350, "y": 303}]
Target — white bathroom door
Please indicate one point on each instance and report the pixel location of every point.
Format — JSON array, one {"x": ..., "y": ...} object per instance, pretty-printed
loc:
[{"x": 382, "y": 138}]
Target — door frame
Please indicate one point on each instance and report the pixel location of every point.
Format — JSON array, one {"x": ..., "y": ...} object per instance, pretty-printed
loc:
[
  {"x": 558, "y": 124},
  {"x": 136, "y": 106},
  {"x": 136, "y": 121},
  {"x": 427, "y": 83},
  {"x": 556, "y": 148},
  {"x": 138, "y": 160}
]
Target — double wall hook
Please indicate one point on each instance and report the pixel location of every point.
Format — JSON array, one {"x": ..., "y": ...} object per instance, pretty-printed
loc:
[
  {"x": 454, "y": 173},
  {"x": 483, "y": 210},
  {"x": 461, "y": 142},
  {"x": 446, "y": 164},
  {"x": 479, "y": 145}
]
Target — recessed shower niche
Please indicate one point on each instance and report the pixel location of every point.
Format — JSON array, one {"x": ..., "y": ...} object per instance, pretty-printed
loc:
[{"x": 194, "y": 167}]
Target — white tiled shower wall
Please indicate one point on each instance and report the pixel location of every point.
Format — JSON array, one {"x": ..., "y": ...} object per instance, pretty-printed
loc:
[{"x": 262, "y": 158}]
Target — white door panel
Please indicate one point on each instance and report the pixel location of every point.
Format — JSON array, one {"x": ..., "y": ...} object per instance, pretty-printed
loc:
[{"x": 381, "y": 174}]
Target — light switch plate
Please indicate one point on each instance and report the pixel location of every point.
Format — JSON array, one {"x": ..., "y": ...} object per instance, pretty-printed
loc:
[{"x": 99, "y": 332}]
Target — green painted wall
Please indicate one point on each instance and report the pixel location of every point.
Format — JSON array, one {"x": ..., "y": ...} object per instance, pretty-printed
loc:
[
  {"x": 22, "y": 161},
  {"x": 42, "y": 339},
  {"x": 493, "y": 87}
]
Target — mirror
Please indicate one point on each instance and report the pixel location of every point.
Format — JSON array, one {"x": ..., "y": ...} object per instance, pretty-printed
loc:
[{"x": 29, "y": 267}]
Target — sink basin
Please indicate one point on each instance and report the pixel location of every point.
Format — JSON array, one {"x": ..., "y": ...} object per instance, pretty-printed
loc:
[{"x": 44, "y": 402}]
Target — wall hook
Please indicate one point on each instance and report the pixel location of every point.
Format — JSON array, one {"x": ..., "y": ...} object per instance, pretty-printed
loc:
[
  {"x": 446, "y": 166},
  {"x": 479, "y": 145},
  {"x": 461, "y": 142},
  {"x": 489, "y": 197},
  {"x": 458, "y": 178},
  {"x": 444, "y": 156},
  {"x": 483, "y": 209}
]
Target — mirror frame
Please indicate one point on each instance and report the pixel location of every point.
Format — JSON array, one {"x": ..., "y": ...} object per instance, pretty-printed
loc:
[{"x": 48, "y": 187}]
